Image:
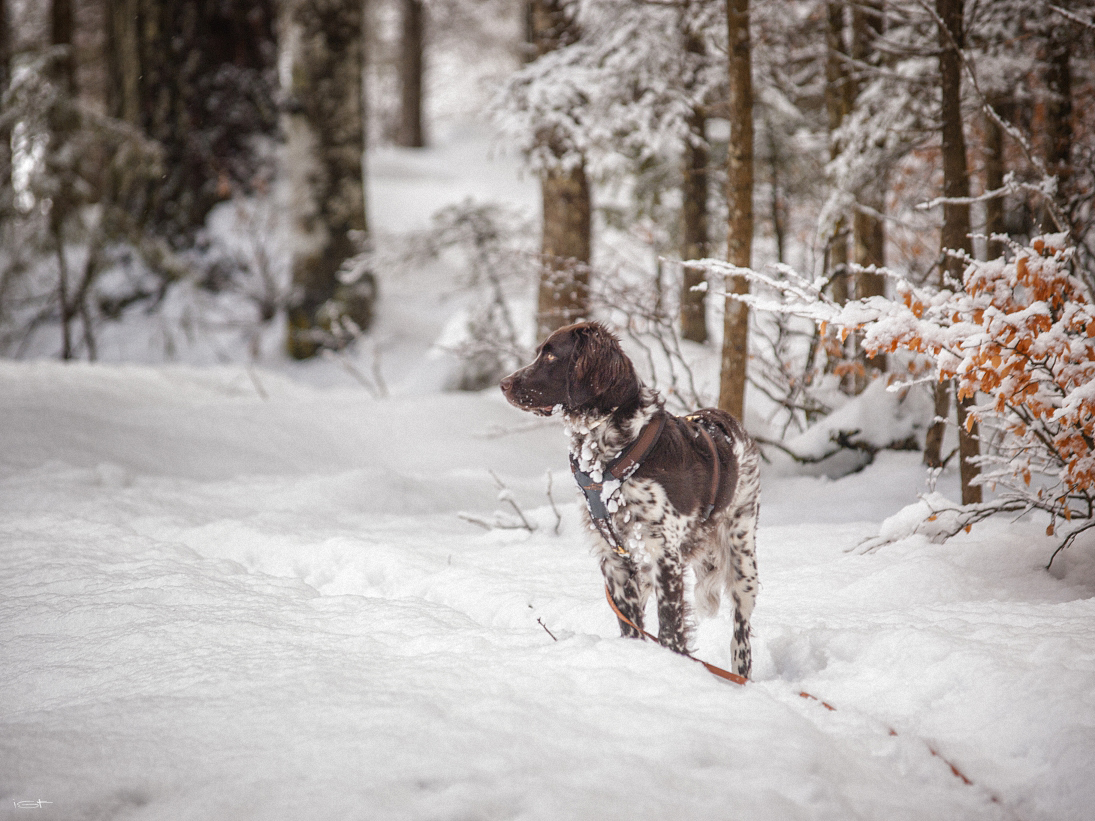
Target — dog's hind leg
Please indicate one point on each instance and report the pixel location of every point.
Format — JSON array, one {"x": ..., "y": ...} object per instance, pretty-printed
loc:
[
  {"x": 627, "y": 589},
  {"x": 740, "y": 535}
]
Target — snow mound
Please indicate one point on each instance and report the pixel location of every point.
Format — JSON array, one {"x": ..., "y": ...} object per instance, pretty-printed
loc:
[{"x": 847, "y": 439}]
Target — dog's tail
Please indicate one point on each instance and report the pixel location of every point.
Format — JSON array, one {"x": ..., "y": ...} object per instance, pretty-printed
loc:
[{"x": 720, "y": 568}]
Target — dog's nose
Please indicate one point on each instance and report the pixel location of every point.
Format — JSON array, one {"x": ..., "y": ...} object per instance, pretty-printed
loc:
[{"x": 507, "y": 384}]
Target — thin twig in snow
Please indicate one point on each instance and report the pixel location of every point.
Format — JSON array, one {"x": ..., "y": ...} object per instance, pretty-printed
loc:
[
  {"x": 554, "y": 509},
  {"x": 541, "y": 623},
  {"x": 507, "y": 496}
]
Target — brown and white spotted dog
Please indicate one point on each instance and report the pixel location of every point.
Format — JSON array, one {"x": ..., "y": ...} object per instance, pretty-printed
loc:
[{"x": 662, "y": 491}]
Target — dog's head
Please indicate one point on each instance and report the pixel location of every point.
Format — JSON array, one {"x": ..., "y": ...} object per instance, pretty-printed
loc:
[{"x": 580, "y": 368}]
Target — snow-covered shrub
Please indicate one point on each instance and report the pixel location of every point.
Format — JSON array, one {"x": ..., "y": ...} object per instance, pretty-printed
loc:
[
  {"x": 71, "y": 207},
  {"x": 1018, "y": 336}
]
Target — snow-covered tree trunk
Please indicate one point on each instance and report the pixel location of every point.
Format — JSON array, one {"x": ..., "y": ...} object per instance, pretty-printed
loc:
[
  {"x": 868, "y": 229},
  {"x": 325, "y": 145},
  {"x": 566, "y": 242},
  {"x": 838, "y": 105},
  {"x": 739, "y": 198},
  {"x": 411, "y": 67},
  {"x": 956, "y": 224}
]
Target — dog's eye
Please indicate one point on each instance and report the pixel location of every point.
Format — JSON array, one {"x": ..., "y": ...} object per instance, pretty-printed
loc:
[{"x": 549, "y": 357}]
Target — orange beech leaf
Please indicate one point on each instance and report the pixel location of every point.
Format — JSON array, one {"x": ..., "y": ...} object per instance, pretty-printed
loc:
[{"x": 1021, "y": 268}]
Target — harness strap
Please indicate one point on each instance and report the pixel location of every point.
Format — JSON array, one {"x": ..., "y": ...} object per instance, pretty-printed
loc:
[
  {"x": 626, "y": 463},
  {"x": 629, "y": 461},
  {"x": 620, "y": 468}
]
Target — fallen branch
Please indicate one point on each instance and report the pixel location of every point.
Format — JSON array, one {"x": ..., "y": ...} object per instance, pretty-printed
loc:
[{"x": 843, "y": 441}]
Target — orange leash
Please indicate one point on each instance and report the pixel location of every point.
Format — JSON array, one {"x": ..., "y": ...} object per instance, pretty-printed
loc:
[
  {"x": 736, "y": 679},
  {"x": 718, "y": 671}
]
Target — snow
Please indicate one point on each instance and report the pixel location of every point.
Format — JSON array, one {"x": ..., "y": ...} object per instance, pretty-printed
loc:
[
  {"x": 219, "y": 605},
  {"x": 258, "y": 593}
]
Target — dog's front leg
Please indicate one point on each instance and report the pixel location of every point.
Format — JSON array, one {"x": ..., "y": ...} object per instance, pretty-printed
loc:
[
  {"x": 672, "y": 616},
  {"x": 627, "y": 591}
]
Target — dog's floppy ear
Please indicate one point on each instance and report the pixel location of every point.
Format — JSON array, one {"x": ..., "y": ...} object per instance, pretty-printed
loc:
[{"x": 601, "y": 376}]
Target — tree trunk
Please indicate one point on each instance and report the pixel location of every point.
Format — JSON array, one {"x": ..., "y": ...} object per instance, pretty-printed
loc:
[
  {"x": 60, "y": 30},
  {"x": 869, "y": 249},
  {"x": 739, "y": 198},
  {"x": 411, "y": 73},
  {"x": 324, "y": 127},
  {"x": 838, "y": 104},
  {"x": 776, "y": 207},
  {"x": 956, "y": 185},
  {"x": 196, "y": 77},
  {"x": 62, "y": 127},
  {"x": 125, "y": 64},
  {"x": 694, "y": 237},
  {"x": 565, "y": 250},
  {"x": 994, "y": 179},
  {"x": 1058, "y": 80},
  {"x": 868, "y": 230},
  {"x": 566, "y": 241},
  {"x": 5, "y": 129},
  {"x": 90, "y": 21},
  {"x": 956, "y": 216}
]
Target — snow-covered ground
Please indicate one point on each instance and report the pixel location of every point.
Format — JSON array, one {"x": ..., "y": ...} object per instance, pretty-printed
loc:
[{"x": 251, "y": 594}]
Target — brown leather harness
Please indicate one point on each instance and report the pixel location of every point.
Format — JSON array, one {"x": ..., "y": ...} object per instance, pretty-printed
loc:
[{"x": 630, "y": 460}]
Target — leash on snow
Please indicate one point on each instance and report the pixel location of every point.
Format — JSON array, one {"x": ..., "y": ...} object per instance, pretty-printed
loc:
[
  {"x": 742, "y": 680},
  {"x": 718, "y": 671}
]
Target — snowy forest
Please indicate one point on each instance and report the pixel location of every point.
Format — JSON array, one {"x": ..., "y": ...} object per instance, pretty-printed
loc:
[{"x": 273, "y": 544}]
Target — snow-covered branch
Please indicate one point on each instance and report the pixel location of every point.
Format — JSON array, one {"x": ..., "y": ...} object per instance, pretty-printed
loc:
[{"x": 1018, "y": 336}]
